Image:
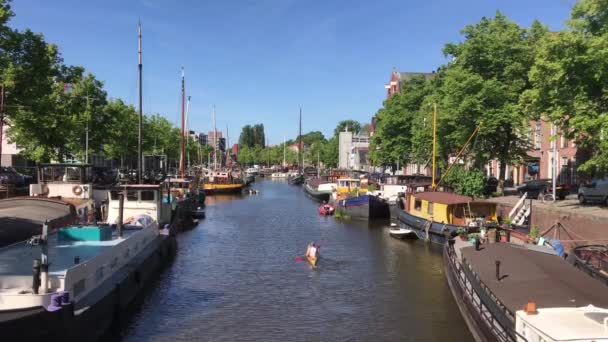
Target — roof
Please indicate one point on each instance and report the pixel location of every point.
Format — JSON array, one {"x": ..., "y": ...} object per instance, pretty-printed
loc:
[
  {"x": 443, "y": 197},
  {"x": 136, "y": 187},
  {"x": 529, "y": 275},
  {"x": 568, "y": 324},
  {"x": 65, "y": 165}
]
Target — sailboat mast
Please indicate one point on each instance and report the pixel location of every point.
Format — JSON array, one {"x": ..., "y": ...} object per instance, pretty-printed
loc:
[
  {"x": 188, "y": 130},
  {"x": 433, "y": 185},
  {"x": 284, "y": 150},
  {"x": 141, "y": 115},
  {"x": 215, "y": 141},
  {"x": 227, "y": 147},
  {"x": 181, "y": 159},
  {"x": 300, "y": 160}
]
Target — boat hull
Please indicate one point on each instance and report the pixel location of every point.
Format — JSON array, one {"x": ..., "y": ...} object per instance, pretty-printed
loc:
[
  {"x": 212, "y": 189},
  {"x": 365, "y": 207},
  {"x": 403, "y": 234},
  {"x": 312, "y": 260},
  {"x": 322, "y": 196},
  {"x": 437, "y": 232},
  {"x": 109, "y": 302}
]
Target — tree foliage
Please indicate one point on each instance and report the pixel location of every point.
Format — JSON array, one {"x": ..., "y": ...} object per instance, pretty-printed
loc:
[{"x": 252, "y": 136}]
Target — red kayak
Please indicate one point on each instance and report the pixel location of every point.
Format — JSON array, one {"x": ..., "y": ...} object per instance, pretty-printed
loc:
[{"x": 326, "y": 209}]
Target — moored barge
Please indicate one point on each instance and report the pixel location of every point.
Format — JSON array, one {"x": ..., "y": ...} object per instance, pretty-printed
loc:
[{"x": 511, "y": 293}]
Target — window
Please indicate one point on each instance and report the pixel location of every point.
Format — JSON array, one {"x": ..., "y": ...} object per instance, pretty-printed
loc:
[
  {"x": 429, "y": 208},
  {"x": 564, "y": 170},
  {"x": 132, "y": 195},
  {"x": 114, "y": 195},
  {"x": 537, "y": 136},
  {"x": 564, "y": 142},
  {"x": 418, "y": 205},
  {"x": 147, "y": 195}
]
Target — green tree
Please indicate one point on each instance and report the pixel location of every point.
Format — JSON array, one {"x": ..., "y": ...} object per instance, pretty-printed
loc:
[
  {"x": 393, "y": 131},
  {"x": 482, "y": 88},
  {"x": 466, "y": 182},
  {"x": 570, "y": 82},
  {"x": 352, "y": 125}
]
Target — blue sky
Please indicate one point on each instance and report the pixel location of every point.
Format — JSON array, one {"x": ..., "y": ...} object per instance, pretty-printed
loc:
[{"x": 259, "y": 61}]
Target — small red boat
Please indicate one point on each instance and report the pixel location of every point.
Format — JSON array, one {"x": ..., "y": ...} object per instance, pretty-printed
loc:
[{"x": 326, "y": 209}]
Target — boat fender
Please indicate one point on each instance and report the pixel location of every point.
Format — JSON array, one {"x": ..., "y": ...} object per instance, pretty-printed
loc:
[
  {"x": 45, "y": 190},
  {"x": 36, "y": 276},
  {"x": 77, "y": 190}
]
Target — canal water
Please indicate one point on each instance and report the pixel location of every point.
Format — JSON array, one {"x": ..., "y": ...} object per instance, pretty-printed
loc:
[{"x": 236, "y": 278}]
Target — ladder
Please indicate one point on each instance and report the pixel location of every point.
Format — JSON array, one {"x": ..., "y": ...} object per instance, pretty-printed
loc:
[{"x": 466, "y": 210}]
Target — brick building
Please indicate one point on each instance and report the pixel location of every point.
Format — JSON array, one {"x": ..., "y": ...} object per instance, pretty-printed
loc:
[{"x": 539, "y": 162}]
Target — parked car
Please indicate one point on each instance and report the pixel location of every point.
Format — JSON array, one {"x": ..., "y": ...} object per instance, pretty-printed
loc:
[
  {"x": 535, "y": 187},
  {"x": 8, "y": 175},
  {"x": 596, "y": 191},
  {"x": 491, "y": 186}
]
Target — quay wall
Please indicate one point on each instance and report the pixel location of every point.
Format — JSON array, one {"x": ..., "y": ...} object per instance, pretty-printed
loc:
[{"x": 576, "y": 229}]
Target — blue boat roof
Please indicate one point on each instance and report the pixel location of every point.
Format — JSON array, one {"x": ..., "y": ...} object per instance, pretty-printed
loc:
[{"x": 17, "y": 259}]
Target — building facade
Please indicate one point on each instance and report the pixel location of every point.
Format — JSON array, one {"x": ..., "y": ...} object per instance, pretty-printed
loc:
[
  {"x": 214, "y": 138},
  {"x": 353, "y": 151},
  {"x": 539, "y": 163}
]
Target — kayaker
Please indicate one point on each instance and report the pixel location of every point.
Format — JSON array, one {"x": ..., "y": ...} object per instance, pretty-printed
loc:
[{"x": 312, "y": 250}]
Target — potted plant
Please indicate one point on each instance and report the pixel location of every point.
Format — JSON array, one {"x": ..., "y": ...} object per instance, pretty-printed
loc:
[
  {"x": 462, "y": 233},
  {"x": 507, "y": 222},
  {"x": 534, "y": 233}
]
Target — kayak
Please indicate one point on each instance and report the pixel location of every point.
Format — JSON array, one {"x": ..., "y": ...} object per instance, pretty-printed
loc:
[{"x": 312, "y": 260}]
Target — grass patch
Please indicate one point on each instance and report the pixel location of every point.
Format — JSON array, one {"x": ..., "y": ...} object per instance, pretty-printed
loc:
[{"x": 341, "y": 214}]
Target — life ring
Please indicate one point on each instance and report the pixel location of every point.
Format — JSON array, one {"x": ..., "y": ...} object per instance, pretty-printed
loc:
[{"x": 77, "y": 190}]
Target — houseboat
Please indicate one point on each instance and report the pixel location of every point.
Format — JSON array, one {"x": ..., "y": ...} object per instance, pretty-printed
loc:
[
  {"x": 319, "y": 189},
  {"x": 509, "y": 292},
  {"x": 84, "y": 276},
  {"x": 221, "y": 182},
  {"x": 352, "y": 197},
  {"x": 435, "y": 216}
]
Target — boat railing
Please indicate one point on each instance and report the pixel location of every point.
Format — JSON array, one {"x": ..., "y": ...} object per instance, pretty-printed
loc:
[{"x": 494, "y": 315}]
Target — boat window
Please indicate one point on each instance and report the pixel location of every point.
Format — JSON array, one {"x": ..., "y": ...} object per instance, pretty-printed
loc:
[
  {"x": 147, "y": 195},
  {"x": 132, "y": 195},
  {"x": 429, "y": 208},
  {"x": 418, "y": 205},
  {"x": 114, "y": 195}
]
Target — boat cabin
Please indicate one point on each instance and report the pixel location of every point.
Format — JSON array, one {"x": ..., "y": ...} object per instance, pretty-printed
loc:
[
  {"x": 70, "y": 183},
  {"x": 450, "y": 208},
  {"x": 587, "y": 323},
  {"x": 218, "y": 177},
  {"x": 65, "y": 180},
  {"x": 179, "y": 187},
  {"x": 139, "y": 199}
]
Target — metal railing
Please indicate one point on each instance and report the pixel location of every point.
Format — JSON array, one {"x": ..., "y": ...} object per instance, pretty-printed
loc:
[{"x": 496, "y": 319}]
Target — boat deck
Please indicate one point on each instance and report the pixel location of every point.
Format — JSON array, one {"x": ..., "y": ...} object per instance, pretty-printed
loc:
[
  {"x": 23, "y": 217},
  {"x": 528, "y": 275},
  {"x": 17, "y": 259}
]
